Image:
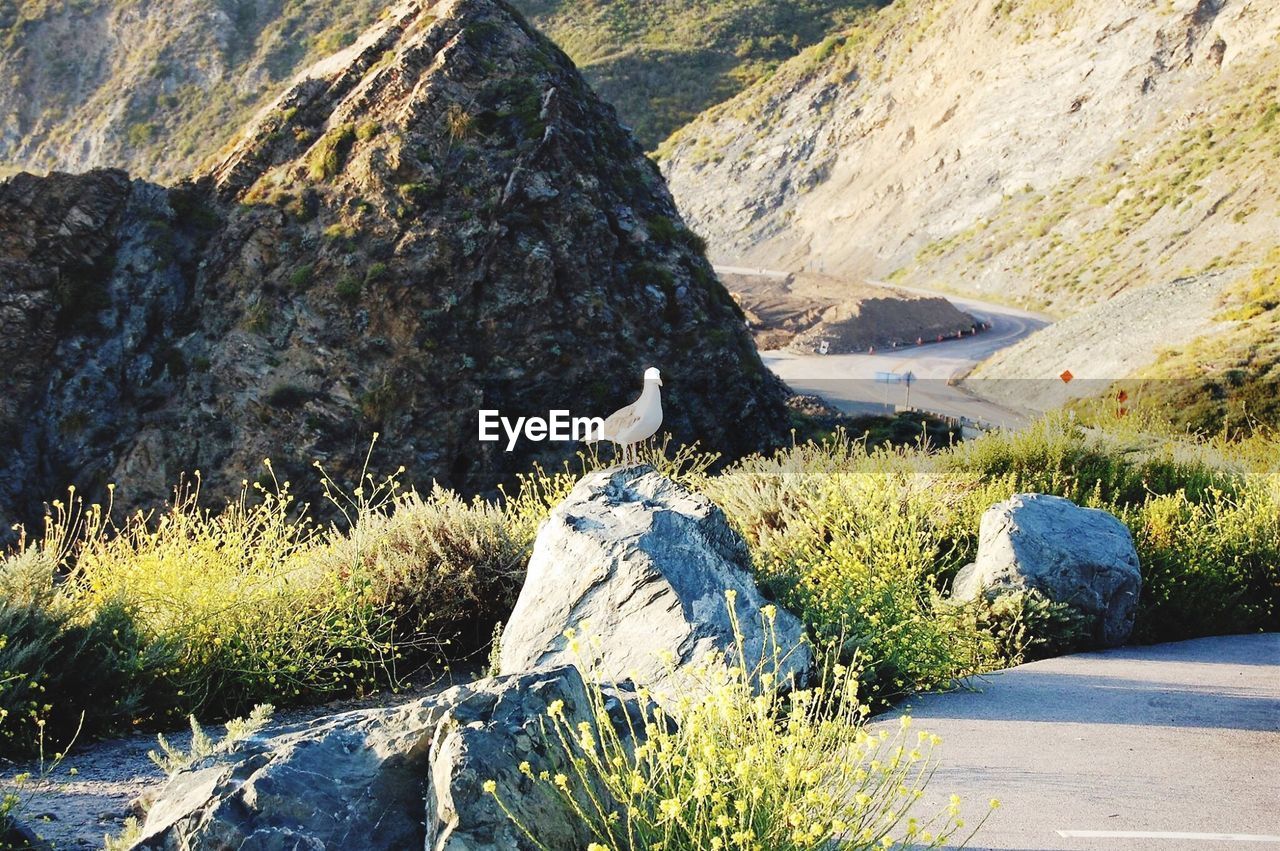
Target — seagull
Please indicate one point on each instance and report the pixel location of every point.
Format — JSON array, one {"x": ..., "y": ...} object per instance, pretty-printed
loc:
[{"x": 639, "y": 421}]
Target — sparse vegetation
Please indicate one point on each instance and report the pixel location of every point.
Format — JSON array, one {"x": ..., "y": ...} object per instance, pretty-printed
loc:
[
  {"x": 329, "y": 155},
  {"x": 302, "y": 276},
  {"x": 171, "y": 759},
  {"x": 177, "y": 118},
  {"x": 1229, "y": 380},
  {"x": 458, "y": 122},
  {"x": 1092, "y": 235},
  {"x": 288, "y": 395},
  {"x": 349, "y": 288}
]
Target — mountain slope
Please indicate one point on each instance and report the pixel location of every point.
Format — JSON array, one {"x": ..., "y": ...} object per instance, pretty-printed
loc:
[
  {"x": 151, "y": 85},
  {"x": 440, "y": 219},
  {"x": 986, "y": 146},
  {"x": 155, "y": 86},
  {"x": 1045, "y": 152},
  {"x": 662, "y": 62}
]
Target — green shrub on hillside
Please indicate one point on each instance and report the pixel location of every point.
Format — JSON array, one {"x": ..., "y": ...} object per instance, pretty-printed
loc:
[
  {"x": 210, "y": 613},
  {"x": 52, "y": 647},
  {"x": 859, "y": 545},
  {"x": 329, "y": 155},
  {"x": 442, "y": 565},
  {"x": 1210, "y": 566},
  {"x": 236, "y": 600}
]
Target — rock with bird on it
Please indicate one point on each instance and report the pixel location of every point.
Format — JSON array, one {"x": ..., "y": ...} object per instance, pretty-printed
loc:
[{"x": 648, "y": 571}]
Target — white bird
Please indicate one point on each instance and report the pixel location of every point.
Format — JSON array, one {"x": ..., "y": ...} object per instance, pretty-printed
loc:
[{"x": 639, "y": 421}]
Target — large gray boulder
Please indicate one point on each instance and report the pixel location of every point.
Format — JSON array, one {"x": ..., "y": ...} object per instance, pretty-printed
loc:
[
  {"x": 411, "y": 776},
  {"x": 645, "y": 565},
  {"x": 1080, "y": 556}
]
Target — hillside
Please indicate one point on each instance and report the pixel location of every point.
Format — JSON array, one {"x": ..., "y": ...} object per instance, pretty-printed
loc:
[
  {"x": 441, "y": 218},
  {"x": 155, "y": 86},
  {"x": 662, "y": 62},
  {"x": 1052, "y": 154}
]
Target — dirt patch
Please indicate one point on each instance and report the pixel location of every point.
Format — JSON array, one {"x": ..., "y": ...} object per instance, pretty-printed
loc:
[{"x": 802, "y": 312}]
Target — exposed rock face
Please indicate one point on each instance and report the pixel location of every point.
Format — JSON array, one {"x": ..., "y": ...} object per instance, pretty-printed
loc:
[
  {"x": 1081, "y": 556},
  {"x": 443, "y": 218},
  {"x": 486, "y": 735},
  {"x": 358, "y": 774},
  {"x": 646, "y": 564},
  {"x": 96, "y": 280},
  {"x": 360, "y": 779}
]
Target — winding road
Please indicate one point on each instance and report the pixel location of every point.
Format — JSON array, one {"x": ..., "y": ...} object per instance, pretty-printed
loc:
[{"x": 849, "y": 381}]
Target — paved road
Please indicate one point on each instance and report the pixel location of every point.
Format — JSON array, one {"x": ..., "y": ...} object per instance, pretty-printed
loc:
[
  {"x": 1169, "y": 748},
  {"x": 849, "y": 381}
]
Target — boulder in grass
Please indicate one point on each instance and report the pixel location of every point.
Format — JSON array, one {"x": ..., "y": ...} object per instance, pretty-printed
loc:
[
  {"x": 1083, "y": 557},
  {"x": 650, "y": 567}
]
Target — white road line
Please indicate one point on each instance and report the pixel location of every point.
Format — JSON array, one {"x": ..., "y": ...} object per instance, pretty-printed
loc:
[{"x": 1158, "y": 834}]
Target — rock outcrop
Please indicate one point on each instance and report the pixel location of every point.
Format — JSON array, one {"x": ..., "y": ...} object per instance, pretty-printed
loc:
[
  {"x": 640, "y": 567},
  {"x": 442, "y": 218},
  {"x": 1080, "y": 556},
  {"x": 360, "y": 779}
]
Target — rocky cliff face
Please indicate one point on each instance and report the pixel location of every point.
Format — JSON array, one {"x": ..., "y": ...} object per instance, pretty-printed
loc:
[
  {"x": 439, "y": 219},
  {"x": 1049, "y": 152}
]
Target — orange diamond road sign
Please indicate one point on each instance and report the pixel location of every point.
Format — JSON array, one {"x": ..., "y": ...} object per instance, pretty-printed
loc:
[{"x": 1066, "y": 376}]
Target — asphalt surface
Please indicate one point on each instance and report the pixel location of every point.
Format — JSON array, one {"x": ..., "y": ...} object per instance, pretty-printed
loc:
[
  {"x": 1171, "y": 747},
  {"x": 849, "y": 381}
]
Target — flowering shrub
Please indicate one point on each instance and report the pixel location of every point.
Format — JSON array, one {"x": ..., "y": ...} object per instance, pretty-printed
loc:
[
  {"x": 741, "y": 768},
  {"x": 233, "y": 605}
]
